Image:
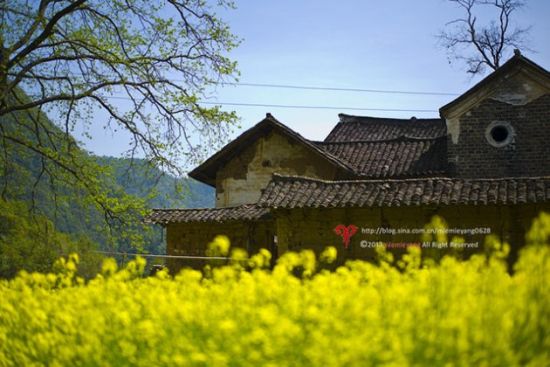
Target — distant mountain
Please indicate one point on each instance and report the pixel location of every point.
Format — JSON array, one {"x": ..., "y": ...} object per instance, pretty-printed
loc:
[
  {"x": 140, "y": 180},
  {"x": 162, "y": 190}
]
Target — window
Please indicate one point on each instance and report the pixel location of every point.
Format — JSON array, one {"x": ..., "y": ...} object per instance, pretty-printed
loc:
[{"x": 499, "y": 133}]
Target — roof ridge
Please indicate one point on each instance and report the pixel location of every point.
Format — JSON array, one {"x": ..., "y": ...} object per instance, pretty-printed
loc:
[
  {"x": 279, "y": 177},
  {"x": 206, "y": 208},
  {"x": 356, "y": 118},
  {"x": 245, "y": 212},
  {"x": 399, "y": 138}
]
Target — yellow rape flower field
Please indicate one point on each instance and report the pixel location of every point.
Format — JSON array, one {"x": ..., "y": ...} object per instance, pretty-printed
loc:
[{"x": 410, "y": 313}]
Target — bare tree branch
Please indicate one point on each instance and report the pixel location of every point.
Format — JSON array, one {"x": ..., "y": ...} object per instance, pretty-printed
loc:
[{"x": 483, "y": 45}]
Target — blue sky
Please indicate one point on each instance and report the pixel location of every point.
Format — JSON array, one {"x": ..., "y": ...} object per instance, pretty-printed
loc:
[{"x": 383, "y": 45}]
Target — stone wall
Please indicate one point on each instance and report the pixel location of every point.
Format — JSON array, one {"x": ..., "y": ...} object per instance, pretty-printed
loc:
[
  {"x": 314, "y": 228},
  {"x": 297, "y": 229},
  {"x": 192, "y": 239}
]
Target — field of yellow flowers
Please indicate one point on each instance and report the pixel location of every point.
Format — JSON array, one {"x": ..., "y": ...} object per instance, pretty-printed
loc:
[{"x": 453, "y": 313}]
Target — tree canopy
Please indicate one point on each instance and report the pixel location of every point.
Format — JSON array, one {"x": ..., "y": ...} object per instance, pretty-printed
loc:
[
  {"x": 147, "y": 64},
  {"x": 126, "y": 186}
]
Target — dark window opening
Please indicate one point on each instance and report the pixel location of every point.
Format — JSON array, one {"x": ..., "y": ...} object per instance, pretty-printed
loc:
[{"x": 499, "y": 133}]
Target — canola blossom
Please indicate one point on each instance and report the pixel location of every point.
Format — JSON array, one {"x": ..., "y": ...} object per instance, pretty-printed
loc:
[{"x": 406, "y": 313}]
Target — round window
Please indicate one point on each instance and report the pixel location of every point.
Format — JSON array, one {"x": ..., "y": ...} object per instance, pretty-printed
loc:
[{"x": 499, "y": 133}]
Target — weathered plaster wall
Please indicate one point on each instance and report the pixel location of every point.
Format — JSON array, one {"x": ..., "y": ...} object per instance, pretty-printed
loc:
[
  {"x": 518, "y": 102},
  {"x": 241, "y": 180}
]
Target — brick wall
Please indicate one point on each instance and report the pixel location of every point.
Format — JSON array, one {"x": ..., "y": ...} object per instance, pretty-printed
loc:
[{"x": 527, "y": 155}]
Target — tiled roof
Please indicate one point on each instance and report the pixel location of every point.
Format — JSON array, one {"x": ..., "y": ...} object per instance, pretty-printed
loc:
[
  {"x": 242, "y": 213},
  {"x": 363, "y": 128},
  {"x": 394, "y": 158},
  {"x": 293, "y": 192}
]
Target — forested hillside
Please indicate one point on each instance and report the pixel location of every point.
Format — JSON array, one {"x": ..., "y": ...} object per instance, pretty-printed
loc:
[
  {"x": 138, "y": 180},
  {"x": 36, "y": 213}
]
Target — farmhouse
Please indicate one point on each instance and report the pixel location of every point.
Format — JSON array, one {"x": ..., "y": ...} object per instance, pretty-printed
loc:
[{"x": 483, "y": 166}]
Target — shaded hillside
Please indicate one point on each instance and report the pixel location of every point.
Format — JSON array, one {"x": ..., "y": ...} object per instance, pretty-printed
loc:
[
  {"x": 140, "y": 180},
  {"x": 25, "y": 178}
]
